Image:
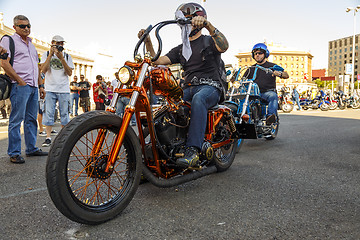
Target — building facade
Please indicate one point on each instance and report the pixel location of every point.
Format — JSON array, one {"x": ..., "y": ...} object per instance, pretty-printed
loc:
[{"x": 340, "y": 54}]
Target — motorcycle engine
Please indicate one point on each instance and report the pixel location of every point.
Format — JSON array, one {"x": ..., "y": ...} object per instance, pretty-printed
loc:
[{"x": 171, "y": 127}]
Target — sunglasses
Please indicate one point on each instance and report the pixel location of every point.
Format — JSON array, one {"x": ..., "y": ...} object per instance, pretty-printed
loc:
[
  {"x": 23, "y": 26},
  {"x": 258, "y": 53}
]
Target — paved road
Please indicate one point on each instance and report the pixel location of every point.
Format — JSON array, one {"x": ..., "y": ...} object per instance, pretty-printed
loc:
[{"x": 302, "y": 185}]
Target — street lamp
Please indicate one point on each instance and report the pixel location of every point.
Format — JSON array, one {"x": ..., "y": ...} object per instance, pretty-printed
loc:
[{"x": 355, "y": 9}]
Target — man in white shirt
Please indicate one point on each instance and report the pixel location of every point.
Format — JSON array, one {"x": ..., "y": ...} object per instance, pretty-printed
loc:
[{"x": 57, "y": 66}]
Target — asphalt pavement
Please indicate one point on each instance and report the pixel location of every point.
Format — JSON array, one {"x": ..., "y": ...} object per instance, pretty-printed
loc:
[{"x": 302, "y": 185}]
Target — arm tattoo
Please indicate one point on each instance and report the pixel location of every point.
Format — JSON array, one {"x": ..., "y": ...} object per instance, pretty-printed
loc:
[{"x": 221, "y": 42}]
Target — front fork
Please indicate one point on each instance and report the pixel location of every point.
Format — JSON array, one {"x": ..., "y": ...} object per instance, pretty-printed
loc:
[{"x": 129, "y": 111}]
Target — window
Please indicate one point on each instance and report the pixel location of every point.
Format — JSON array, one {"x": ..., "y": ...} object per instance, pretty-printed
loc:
[
  {"x": 280, "y": 58},
  {"x": 340, "y": 43}
]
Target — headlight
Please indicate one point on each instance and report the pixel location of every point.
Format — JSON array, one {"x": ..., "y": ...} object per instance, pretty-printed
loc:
[
  {"x": 236, "y": 84},
  {"x": 126, "y": 75}
]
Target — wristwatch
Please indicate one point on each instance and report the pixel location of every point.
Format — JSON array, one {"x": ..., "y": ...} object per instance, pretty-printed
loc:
[{"x": 41, "y": 86}]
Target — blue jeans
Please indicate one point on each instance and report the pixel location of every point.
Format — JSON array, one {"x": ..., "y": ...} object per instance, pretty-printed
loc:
[
  {"x": 272, "y": 98},
  {"x": 74, "y": 97},
  {"x": 202, "y": 98},
  {"x": 296, "y": 99},
  {"x": 50, "y": 104},
  {"x": 24, "y": 107},
  {"x": 120, "y": 108}
]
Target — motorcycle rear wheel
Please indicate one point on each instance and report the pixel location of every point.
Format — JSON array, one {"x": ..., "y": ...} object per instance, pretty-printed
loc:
[
  {"x": 287, "y": 107},
  {"x": 224, "y": 156},
  {"x": 77, "y": 183}
]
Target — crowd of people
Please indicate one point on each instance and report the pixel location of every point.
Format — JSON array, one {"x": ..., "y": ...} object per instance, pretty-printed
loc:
[{"x": 41, "y": 90}]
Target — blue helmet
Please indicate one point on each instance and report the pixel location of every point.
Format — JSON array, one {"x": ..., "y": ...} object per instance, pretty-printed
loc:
[{"x": 262, "y": 47}]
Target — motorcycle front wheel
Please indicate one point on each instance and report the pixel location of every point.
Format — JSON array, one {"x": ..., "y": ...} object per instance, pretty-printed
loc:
[
  {"x": 333, "y": 105},
  {"x": 324, "y": 107},
  {"x": 76, "y": 179}
]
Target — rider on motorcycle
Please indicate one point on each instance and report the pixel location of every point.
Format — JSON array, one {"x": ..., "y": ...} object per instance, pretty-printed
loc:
[
  {"x": 202, "y": 80},
  {"x": 266, "y": 82}
]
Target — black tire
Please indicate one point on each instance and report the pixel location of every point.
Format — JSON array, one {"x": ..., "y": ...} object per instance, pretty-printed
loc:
[
  {"x": 274, "y": 130},
  {"x": 342, "y": 106},
  {"x": 224, "y": 156},
  {"x": 76, "y": 182}
]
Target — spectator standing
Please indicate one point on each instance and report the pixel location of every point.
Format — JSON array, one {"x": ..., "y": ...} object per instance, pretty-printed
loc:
[
  {"x": 296, "y": 97},
  {"x": 109, "y": 90},
  {"x": 99, "y": 92},
  {"x": 26, "y": 87},
  {"x": 57, "y": 66},
  {"x": 84, "y": 87},
  {"x": 74, "y": 96},
  {"x": 122, "y": 102}
]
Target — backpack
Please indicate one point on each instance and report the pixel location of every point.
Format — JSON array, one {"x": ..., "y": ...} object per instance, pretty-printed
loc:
[
  {"x": 208, "y": 53},
  {"x": 5, "y": 81}
]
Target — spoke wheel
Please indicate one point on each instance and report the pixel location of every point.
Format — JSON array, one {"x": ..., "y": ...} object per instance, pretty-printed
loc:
[
  {"x": 77, "y": 181},
  {"x": 224, "y": 156}
]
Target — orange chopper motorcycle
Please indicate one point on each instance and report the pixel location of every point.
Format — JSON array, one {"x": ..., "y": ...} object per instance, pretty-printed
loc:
[{"x": 96, "y": 162}]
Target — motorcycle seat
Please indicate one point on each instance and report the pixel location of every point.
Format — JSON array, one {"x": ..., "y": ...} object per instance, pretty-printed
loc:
[{"x": 216, "y": 107}]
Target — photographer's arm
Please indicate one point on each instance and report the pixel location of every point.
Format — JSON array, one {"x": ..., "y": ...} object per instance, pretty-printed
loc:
[
  {"x": 67, "y": 69},
  {"x": 46, "y": 65}
]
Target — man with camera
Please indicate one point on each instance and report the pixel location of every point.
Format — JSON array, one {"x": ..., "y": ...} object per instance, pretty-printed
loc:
[{"x": 57, "y": 66}]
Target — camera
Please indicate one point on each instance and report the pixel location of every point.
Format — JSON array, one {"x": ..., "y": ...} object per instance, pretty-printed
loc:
[{"x": 59, "y": 48}]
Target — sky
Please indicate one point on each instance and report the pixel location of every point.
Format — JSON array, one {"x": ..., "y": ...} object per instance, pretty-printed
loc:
[{"x": 111, "y": 26}]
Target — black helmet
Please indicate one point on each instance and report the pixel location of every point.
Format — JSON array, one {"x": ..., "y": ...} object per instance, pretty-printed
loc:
[{"x": 191, "y": 10}]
